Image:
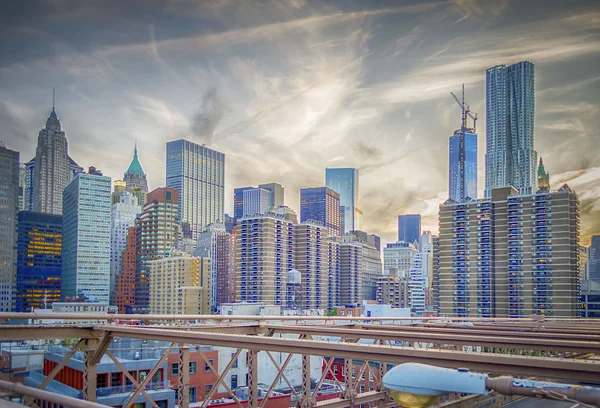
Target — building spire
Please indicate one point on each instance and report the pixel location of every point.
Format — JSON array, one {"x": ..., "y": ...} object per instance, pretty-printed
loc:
[{"x": 53, "y": 98}]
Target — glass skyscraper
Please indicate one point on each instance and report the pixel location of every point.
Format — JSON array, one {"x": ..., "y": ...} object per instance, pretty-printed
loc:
[
  {"x": 594, "y": 259},
  {"x": 463, "y": 165},
  {"x": 198, "y": 174},
  {"x": 409, "y": 228},
  {"x": 39, "y": 247},
  {"x": 321, "y": 204},
  {"x": 257, "y": 201},
  {"x": 344, "y": 181},
  {"x": 86, "y": 238},
  {"x": 510, "y": 158}
]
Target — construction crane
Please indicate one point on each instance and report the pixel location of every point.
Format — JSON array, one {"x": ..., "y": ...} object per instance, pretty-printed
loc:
[{"x": 466, "y": 111}]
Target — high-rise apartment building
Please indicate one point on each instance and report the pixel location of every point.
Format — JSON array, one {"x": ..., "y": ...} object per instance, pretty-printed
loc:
[
  {"x": 393, "y": 289},
  {"x": 409, "y": 228},
  {"x": 180, "y": 284},
  {"x": 351, "y": 273},
  {"x": 435, "y": 279},
  {"x": 510, "y": 255},
  {"x": 257, "y": 201},
  {"x": 594, "y": 259},
  {"x": 276, "y": 198},
  {"x": 399, "y": 255},
  {"x": 86, "y": 238},
  {"x": 311, "y": 261},
  {"x": 124, "y": 214},
  {"x": 371, "y": 268},
  {"x": 157, "y": 232},
  {"x": 333, "y": 269},
  {"x": 9, "y": 205},
  {"x": 198, "y": 175},
  {"x": 463, "y": 165},
  {"x": 126, "y": 280},
  {"x": 344, "y": 181},
  {"x": 321, "y": 204},
  {"x": 510, "y": 158}
]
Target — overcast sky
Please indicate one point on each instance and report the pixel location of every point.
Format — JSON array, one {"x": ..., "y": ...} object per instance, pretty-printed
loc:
[{"x": 287, "y": 88}]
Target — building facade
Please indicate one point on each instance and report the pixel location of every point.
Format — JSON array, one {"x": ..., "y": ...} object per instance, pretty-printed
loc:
[
  {"x": 9, "y": 206},
  {"x": 126, "y": 280},
  {"x": 39, "y": 269},
  {"x": 225, "y": 269},
  {"x": 157, "y": 232},
  {"x": 86, "y": 238},
  {"x": 399, "y": 255},
  {"x": 393, "y": 289},
  {"x": 276, "y": 198},
  {"x": 135, "y": 179},
  {"x": 311, "y": 261},
  {"x": 409, "y": 228},
  {"x": 421, "y": 276},
  {"x": 198, "y": 175},
  {"x": 510, "y": 158},
  {"x": 510, "y": 255},
  {"x": 594, "y": 259},
  {"x": 344, "y": 181},
  {"x": 180, "y": 284},
  {"x": 462, "y": 165},
  {"x": 543, "y": 177},
  {"x": 321, "y": 204},
  {"x": 257, "y": 201}
]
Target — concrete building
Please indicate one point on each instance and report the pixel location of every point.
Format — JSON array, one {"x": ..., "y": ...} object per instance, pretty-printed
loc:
[
  {"x": 421, "y": 276},
  {"x": 594, "y": 259},
  {"x": 351, "y": 272},
  {"x": 399, "y": 255},
  {"x": 321, "y": 204},
  {"x": 126, "y": 280},
  {"x": 277, "y": 196},
  {"x": 510, "y": 158},
  {"x": 9, "y": 206},
  {"x": 409, "y": 228},
  {"x": 86, "y": 238},
  {"x": 157, "y": 233},
  {"x": 371, "y": 267},
  {"x": 238, "y": 202},
  {"x": 256, "y": 201},
  {"x": 344, "y": 181},
  {"x": 39, "y": 269},
  {"x": 510, "y": 255},
  {"x": 180, "y": 284},
  {"x": 197, "y": 173},
  {"x": 225, "y": 269},
  {"x": 311, "y": 261},
  {"x": 333, "y": 271},
  {"x": 590, "y": 299},
  {"x": 124, "y": 214},
  {"x": 207, "y": 248},
  {"x": 393, "y": 289}
]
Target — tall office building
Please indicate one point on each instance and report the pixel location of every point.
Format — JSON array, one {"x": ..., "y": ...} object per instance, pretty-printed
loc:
[
  {"x": 399, "y": 255},
  {"x": 594, "y": 259},
  {"x": 463, "y": 165},
  {"x": 421, "y": 276},
  {"x": 321, "y": 204},
  {"x": 198, "y": 175},
  {"x": 543, "y": 177},
  {"x": 9, "y": 204},
  {"x": 180, "y": 284},
  {"x": 124, "y": 214},
  {"x": 238, "y": 202},
  {"x": 157, "y": 232},
  {"x": 344, "y": 181},
  {"x": 276, "y": 198},
  {"x": 134, "y": 176},
  {"x": 86, "y": 238},
  {"x": 409, "y": 228},
  {"x": 126, "y": 279},
  {"x": 510, "y": 158},
  {"x": 510, "y": 255},
  {"x": 39, "y": 249},
  {"x": 207, "y": 247},
  {"x": 28, "y": 185},
  {"x": 257, "y": 201}
]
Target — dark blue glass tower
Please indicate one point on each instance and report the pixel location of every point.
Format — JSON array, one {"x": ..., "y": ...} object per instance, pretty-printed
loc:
[
  {"x": 463, "y": 165},
  {"x": 409, "y": 227},
  {"x": 39, "y": 246},
  {"x": 344, "y": 181},
  {"x": 321, "y": 204}
]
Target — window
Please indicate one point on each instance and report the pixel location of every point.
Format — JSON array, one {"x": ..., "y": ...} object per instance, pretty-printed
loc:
[
  {"x": 192, "y": 394},
  {"x": 207, "y": 367},
  {"x": 193, "y": 367},
  {"x": 115, "y": 379},
  {"x": 101, "y": 380},
  {"x": 143, "y": 375},
  {"x": 235, "y": 363},
  {"x": 207, "y": 389},
  {"x": 234, "y": 381},
  {"x": 362, "y": 388},
  {"x": 133, "y": 374},
  {"x": 174, "y": 368}
]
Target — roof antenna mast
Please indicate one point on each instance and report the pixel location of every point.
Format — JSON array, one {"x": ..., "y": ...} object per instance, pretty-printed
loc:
[{"x": 53, "y": 97}]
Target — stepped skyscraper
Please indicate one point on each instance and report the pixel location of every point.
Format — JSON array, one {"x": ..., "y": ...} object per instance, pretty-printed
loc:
[{"x": 510, "y": 158}]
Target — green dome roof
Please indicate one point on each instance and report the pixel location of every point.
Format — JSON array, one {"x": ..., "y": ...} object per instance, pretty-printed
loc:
[{"x": 135, "y": 167}]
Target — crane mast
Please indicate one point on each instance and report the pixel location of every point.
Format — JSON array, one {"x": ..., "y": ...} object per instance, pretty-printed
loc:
[{"x": 466, "y": 111}]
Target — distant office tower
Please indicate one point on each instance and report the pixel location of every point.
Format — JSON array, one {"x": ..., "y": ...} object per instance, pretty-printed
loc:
[
  {"x": 28, "y": 185},
  {"x": 154, "y": 242},
  {"x": 421, "y": 276},
  {"x": 207, "y": 247},
  {"x": 370, "y": 260},
  {"x": 9, "y": 205},
  {"x": 126, "y": 280},
  {"x": 543, "y": 177},
  {"x": 276, "y": 198},
  {"x": 399, "y": 255},
  {"x": 321, "y": 204},
  {"x": 119, "y": 187},
  {"x": 124, "y": 214},
  {"x": 256, "y": 201},
  {"x": 180, "y": 284},
  {"x": 52, "y": 168},
  {"x": 393, "y": 289},
  {"x": 510, "y": 255},
  {"x": 86, "y": 238},
  {"x": 583, "y": 262},
  {"x": 510, "y": 158},
  {"x": 409, "y": 228},
  {"x": 594, "y": 259},
  {"x": 22, "y": 172},
  {"x": 238, "y": 202},
  {"x": 225, "y": 269},
  {"x": 345, "y": 183},
  {"x": 311, "y": 261},
  {"x": 134, "y": 176},
  {"x": 229, "y": 222},
  {"x": 39, "y": 247},
  {"x": 198, "y": 175},
  {"x": 463, "y": 165}
]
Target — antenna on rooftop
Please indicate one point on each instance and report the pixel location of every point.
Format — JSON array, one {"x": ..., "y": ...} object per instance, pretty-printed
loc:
[{"x": 53, "y": 97}]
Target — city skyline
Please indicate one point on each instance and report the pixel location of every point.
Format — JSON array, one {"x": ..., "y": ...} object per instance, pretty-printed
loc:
[{"x": 335, "y": 99}]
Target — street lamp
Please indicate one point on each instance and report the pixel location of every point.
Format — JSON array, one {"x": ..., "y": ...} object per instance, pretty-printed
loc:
[{"x": 414, "y": 385}]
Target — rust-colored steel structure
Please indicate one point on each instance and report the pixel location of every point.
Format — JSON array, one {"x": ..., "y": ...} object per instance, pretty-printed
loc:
[{"x": 548, "y": 348}]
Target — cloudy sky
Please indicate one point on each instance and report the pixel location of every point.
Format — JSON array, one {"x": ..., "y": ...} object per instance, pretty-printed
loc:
[{"x": 286, "y": 88}]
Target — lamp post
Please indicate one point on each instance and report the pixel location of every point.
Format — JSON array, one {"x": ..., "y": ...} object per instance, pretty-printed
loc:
[{"x": 414, "y": 385}]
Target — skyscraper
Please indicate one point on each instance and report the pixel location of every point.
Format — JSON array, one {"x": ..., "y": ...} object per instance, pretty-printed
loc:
[
  {"x": 463, "y": 165},
  {"x": 409, "y": 228},
  {"x": 39, "y": 271},
  {"x": 510, "y": 158},
  {"x": 86, "y": 238},
  {"x": 126, "y": 280},
  {"x": 543, "y": 177},
  {"x": 9, "y": 204},
  {"x": 276, "y": 198},
  {"x": 238, "y": 202},
  {"x": 321, "y": 204},
  {"x": 594, "y": 259},
  {"x": 257, "y": 201},
  {"x": 344, "y": 181},
  {"x": 421, "y": 275},
  {"x": 124, "y": 214},
  {"x": 198, "y": 175},
  {"x": 310, "y": 260},
  {"x": 28, "y": 185},
  {"x": 135, "y": 179},
  {"x": 370, "y": 268}
]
